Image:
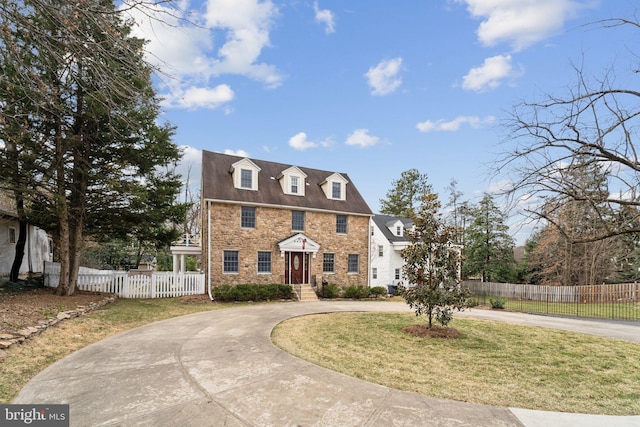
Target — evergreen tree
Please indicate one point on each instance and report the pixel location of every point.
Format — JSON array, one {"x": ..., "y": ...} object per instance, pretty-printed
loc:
[
  {"x": 92, "y": 125},
  {"x": 489, "y": 247},
  {"x": 405, "y": 194}
]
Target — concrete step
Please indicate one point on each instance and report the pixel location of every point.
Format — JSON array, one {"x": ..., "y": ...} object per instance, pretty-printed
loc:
[{"x": 307, "y": 293}]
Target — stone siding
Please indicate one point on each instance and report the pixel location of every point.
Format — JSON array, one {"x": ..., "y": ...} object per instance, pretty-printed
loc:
[{"x": 274, "y": 225}]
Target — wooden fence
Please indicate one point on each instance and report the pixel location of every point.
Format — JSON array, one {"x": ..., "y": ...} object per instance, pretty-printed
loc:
[
  {"x": 615, "y": 301},
  {"x": 132, "y": 284}
]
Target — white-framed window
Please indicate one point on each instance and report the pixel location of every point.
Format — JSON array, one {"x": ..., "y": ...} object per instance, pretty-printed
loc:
[
  {"x": 264, "y": 262},
  {"x": 248, "y": 217},
  {"x": 336, "y": 190},
  {"x": 329, "y": 263},
  {"x": 353, "y": 263},
  {"x": 297, "y": 220},
  {"x": 398, "y": 230},
  {"x": 231, "y": 262},
  {"x": 13, "y": 236},
  {"x": 374, "y": 273},
  {"x": 397, "y": 274},
  {"x": 341, "y": 224},
  {"x": 246, "y": 178},
  {"x": 295, "y": 185}
]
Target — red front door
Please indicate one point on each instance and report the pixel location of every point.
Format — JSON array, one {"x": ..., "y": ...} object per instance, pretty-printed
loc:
[{"x": 298, "y": 265}]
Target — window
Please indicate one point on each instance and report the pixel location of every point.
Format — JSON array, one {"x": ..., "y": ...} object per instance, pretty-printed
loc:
[
  {"x": 295, "y": 182},
  {"x": 398, "y": 231},
  {"x": 380, "y": 250},
  {"x": 341, "y": 224},
  {"x": 372, "y": 230},
  {"x": 336, "y": 190},
  {"x": 397, "y": 274},
  {"x": 297, "y": 220},
  {"x": 246, "y": 178},
  {"x": 230, "y": 262},
  {"x": 12, "y": 235},
  {"x": 353, "y": 263},
  {"x": 328, "y": 263},
  {"x": 374, "y": 273},
  {"x": 248, "y": 217},
  {"x": 264, "y": 262}
]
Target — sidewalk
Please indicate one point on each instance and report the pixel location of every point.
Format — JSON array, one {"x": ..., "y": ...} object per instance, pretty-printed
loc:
[{"x": 220, "y": 368}]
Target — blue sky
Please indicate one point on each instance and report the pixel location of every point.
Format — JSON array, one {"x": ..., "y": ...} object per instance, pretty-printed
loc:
[{"x": 372, "y": 88}]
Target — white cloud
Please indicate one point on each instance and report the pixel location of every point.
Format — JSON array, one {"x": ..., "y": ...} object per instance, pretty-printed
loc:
[
  {"x": 200, "y": 97},
  {"x": 181, "y": 45},
  {"x": 520, "y": 23},
  {"x": 247, "y": 24},
  {"x": 383, "y": 78},
  {"x": 362, "y": 138},
  {"x": 300, "y": 142},
  {"x": 455, "y": 124},
  {"x": 239, "y": 153},
  {"x": 490, "y": 74},
  {"x": 190, "y": 167},
  {"x": 326, "y": 17}
]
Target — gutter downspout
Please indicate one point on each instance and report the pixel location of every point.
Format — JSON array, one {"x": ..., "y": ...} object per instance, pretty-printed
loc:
[{"x": 209, "y": 250}]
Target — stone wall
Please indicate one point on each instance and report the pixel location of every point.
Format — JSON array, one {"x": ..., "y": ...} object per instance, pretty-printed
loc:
[{"x": 274, "y": 225}]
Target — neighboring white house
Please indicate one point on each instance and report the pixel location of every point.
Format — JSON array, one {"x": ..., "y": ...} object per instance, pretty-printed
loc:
[
  {"x": 388, "y": 238},
  {"x": 37, "y": 250}
]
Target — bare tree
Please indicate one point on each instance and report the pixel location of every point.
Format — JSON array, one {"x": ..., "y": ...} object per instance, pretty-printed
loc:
[{"x": 595, "y": 125}]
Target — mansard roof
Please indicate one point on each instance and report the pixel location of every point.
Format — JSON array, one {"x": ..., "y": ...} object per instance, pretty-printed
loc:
[{"x": 217, "y": 184}]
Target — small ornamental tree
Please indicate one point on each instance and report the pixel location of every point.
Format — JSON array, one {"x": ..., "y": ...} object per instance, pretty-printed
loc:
[{"x": 432, "y": 265}]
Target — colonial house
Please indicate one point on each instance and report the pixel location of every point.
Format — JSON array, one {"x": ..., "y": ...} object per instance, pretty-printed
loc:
[
  {"x": 388, "y": 238},
  {"x": 38, "y": 247},
  {"x": 266, "y": 222}
]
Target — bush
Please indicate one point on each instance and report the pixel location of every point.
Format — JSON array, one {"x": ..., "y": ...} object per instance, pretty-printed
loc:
[
  {"x": 473, "y": 302},
  {"x": 330, "y": 290},
  {"x": 377, "y": 291},
  {"x": 356, "y": 292},
  {"x": 497, "y": 302},
  {"x": 250, "y": 292}
]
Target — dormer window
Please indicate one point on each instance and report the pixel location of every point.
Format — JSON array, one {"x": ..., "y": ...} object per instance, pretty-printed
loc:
[
  {"x": 293, "y": 181},
  {"x": 335, "y": 187},
  {"x": 336, "y": 190},
  {"x": 245, "y": 175},
  {"x": 398, "y": 230},
  {"x": 246, "y": 178}
]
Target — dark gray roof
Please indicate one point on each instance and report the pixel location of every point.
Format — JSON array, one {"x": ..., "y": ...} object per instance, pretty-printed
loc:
[
  {"x": 385, "y": 221},
  {"x": 217, "y": 184}
]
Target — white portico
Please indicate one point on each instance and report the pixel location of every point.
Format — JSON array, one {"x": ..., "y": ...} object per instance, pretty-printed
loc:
[
  {"x": 296, "y": 251},
  {"x": 188, "y": 246}
]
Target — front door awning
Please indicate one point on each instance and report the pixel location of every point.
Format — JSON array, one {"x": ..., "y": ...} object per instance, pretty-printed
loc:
[{"x": 298, "y": 243}]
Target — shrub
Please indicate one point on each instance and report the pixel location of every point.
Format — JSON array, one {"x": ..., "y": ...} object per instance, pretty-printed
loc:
[
  {"x": 497, "y": 302},
  {"x": 473, "y": 302},
  {"x": 356, "y": 292},
  {"x": 250, "y": 292},
  {"x": 330, "y": 290},
  {"x": 377, "y": 291}
]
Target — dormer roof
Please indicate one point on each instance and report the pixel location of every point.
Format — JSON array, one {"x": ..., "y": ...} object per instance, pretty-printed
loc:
[{"x": 218, "y": 184}]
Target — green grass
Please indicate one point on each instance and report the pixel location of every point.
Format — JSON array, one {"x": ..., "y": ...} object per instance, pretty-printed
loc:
[{"x": 492, "y": 363}]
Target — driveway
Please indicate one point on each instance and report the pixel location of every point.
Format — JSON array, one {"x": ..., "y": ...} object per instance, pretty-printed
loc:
[{"x": 219, "y": 368}]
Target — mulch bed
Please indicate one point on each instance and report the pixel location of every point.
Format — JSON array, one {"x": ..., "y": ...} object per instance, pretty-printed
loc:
[{"x": 435, "y": 331}]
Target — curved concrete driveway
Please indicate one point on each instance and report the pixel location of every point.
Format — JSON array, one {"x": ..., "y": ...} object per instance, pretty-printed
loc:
[{"x": 219, "y": 368}]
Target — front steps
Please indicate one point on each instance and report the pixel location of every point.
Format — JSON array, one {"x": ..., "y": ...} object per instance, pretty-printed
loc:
[{"x": 305, "y": 293}]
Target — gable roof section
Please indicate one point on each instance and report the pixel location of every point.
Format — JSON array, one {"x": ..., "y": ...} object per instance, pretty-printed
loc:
[
  {"x": 217, "y": 184},
  {"x": 7, "y": 204},
  {"x": 384, "y": 221}
]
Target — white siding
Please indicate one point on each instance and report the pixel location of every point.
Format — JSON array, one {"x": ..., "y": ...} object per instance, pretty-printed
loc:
[{"x": 36, "y": 251}]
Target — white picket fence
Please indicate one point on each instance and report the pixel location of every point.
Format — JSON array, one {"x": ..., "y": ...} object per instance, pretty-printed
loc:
[{"x": 132, "y": 284}]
